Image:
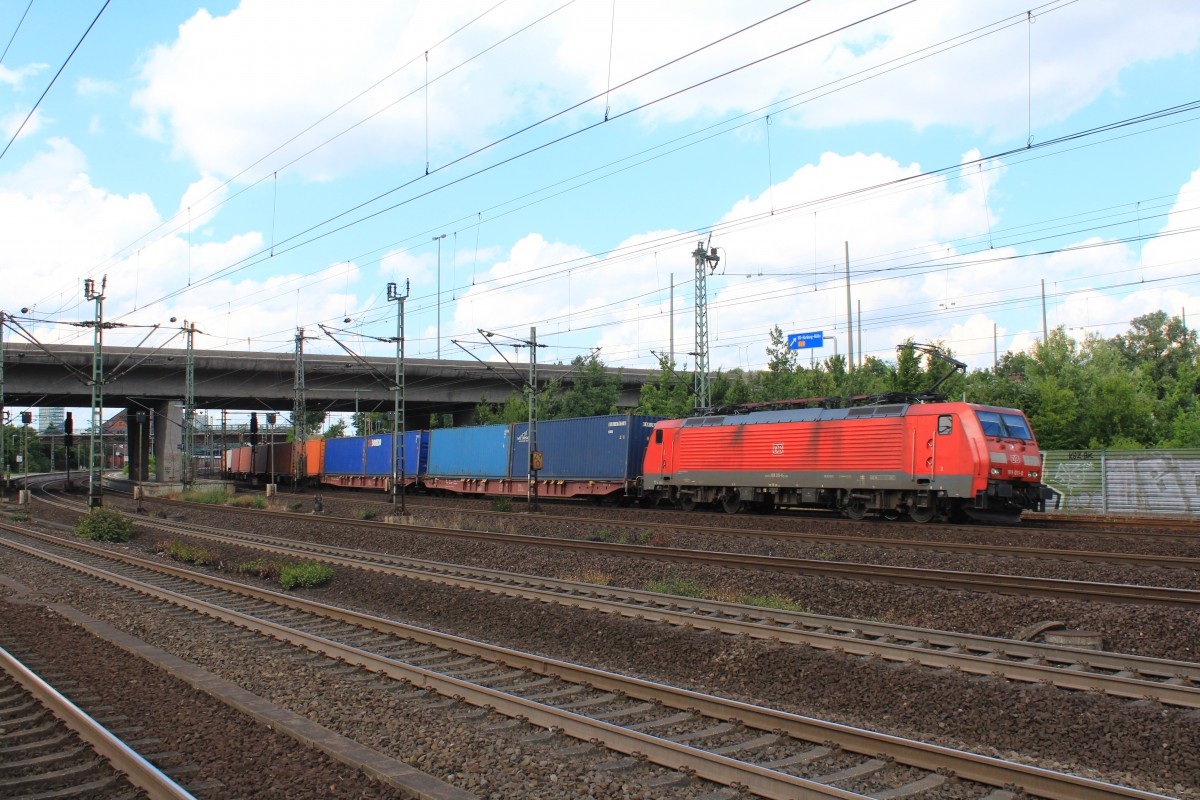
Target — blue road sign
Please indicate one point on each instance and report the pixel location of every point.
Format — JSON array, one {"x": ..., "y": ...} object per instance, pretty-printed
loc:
[{"x": 803, "y": 341}]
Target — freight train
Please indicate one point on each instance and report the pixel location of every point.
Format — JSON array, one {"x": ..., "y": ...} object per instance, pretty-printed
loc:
[{"x": 927, "y": 461}]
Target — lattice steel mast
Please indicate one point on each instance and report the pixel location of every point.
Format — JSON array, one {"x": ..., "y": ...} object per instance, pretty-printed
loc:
[
  {"x": 96, "y": 440},
  {"x": 705, "y": 260}
]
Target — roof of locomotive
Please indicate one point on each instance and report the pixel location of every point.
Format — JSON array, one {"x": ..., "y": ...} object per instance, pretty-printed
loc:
[{"x": 799, "y": 415}]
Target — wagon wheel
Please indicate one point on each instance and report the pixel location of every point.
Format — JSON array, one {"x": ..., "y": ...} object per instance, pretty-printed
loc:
[
  {"x": 891, "y": 515},
  {"x": 687, "y": 502},
  {"x": 921, "y": 514},
  {"x": 855, "y": 509},
  {"x": 731, "y": 503}
]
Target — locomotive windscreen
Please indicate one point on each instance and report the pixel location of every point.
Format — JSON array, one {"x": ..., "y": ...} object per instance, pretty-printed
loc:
[{"x": 1008, "y": 426}]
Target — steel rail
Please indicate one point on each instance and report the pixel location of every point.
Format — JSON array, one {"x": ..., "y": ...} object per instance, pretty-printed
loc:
[
  {"x": 137, "y": 770},
  {"x": 1041, "y": 522},
  {"x": 941, "y": 579},
  {"x": 922, "y": 545},
  {"x": 764, "y": 781},
  {"x": 1178, "y": 683}
]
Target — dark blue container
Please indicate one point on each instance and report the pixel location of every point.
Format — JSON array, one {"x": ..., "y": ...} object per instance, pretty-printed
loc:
[
  {"x": 607, "y": 448},
  {"x": 480, "y": 451},
  {"x": 345, "y": 456},
  {"x": 379, "y": 452}
]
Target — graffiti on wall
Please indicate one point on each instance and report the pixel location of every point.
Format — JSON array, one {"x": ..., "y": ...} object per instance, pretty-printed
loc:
[{"x": 1143, "y": 482}]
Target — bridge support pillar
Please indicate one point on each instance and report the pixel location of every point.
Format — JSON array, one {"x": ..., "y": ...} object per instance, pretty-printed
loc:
[
  {"x": 138, "y": 441},
  {"x": 168, "y": 441}
]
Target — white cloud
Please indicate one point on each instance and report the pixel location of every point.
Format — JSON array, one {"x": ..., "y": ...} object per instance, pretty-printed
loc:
[
  {"x": 14, "y": 77},
  {"x": 90, "y": 86},
  {"x": 231, "y": 88}
]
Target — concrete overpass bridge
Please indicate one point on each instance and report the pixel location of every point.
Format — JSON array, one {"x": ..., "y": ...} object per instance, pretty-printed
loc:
[{"x": 154, "y": 381}]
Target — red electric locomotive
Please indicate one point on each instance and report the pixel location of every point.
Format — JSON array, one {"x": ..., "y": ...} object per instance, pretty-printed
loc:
[
  {"x": 924, "y": 460},
  {"x": 928, "y": 460}
]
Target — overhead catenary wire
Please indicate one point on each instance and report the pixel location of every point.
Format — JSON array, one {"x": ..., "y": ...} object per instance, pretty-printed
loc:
[
  {"x": 53, "y": 80},
  {"x": 248, "y": 261}
]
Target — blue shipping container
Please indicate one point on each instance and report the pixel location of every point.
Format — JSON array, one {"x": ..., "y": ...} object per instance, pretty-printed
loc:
[
  {"x": 379, "y": 452},
  {"x": 476, "y": 452},
  {"x": 609, "y": 448},
  {"x": 344, "y": 456}
]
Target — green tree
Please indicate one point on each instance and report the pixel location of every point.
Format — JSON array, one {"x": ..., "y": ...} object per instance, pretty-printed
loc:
[
  {"x": 514, "y": 409},
  {"x": 668, "y": 395},
  {"x": 336, "y": 431},
  {"x": 910, "y": 378},
  {"x": 593, "y": 391}
]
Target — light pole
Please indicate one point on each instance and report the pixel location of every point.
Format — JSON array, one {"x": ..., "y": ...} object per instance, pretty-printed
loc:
[
  {"x": 271, "y": 449},
  {"x": 438, "y": 239},
  {"x": 140, "y": 418},
  {"x": 26, "y": 418},
  {"x": 398, "y": 427}
]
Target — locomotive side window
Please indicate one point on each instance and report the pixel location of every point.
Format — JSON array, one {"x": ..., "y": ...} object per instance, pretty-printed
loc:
[
  {"x": 658, "y": 436},
  {"x": 945, "y": 425}
]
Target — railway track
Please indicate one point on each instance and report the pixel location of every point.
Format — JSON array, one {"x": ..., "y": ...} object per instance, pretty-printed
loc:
[
  {"x": 767, "y": 752},
  {"x": 941, "y": 579},
  {"x": 1174, "y": 530},
  {"x": 880, "y": 542},
  {"x": 1174, "y": 683},
  {"x": 50, "y": 747}
]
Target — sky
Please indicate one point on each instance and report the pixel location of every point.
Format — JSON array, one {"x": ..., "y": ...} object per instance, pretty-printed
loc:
[{"x": 261, "y": 166}]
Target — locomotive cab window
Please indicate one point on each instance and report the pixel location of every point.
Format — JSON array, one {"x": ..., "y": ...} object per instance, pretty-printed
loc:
[
  {"x": 945, "y": 425},
  {"x": 1009, "y": 426},
  {"x": 658, "y": 436}
]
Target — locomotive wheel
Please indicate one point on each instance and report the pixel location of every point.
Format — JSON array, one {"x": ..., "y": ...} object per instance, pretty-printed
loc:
[
  {"x": 921, "y": 515},
  {"x": 687, "y": 502},
  {"x": 855, "y": 509},
  {"x": 731, "y": 503}
]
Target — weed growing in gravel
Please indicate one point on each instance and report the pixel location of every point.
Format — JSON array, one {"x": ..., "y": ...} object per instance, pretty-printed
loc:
[
  {"x": 105, "y": 525},
  {"x": 260, "y": 568},
  {"x": 296, "y": 506},
  {"x": 217, "y": 497},
  {"x": 624, "y": 537},
  {"x": 366, "y": 513},
  {"x": 304, "y": 574},
  {"x": 502, "y": 504},
  {"x": 684, "y": 587},
  {"x": 591, "y": 576},
  {"x": 770, "y": 601},
  {"x": 189, "y": 553},
  {"x": 823, "y": 556},
  {"x": 19, "y": 516},
  {"x": 249, "y": 501}
]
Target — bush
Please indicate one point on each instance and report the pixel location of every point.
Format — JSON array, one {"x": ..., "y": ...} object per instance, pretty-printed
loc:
[
  {"x": 304, "y": 574},
  {"x": 260, "y": 568},
  {"x": 105, "y": 525},
  {"x": 502, "y": 504},
  {"x": 249, "y": 501},
  {"x": 188, "y": 553},
  {"x": 216, "y": 497}
]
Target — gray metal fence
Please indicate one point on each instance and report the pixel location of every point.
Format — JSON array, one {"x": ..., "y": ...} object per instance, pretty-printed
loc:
[{"x": 1144, "y": 483}]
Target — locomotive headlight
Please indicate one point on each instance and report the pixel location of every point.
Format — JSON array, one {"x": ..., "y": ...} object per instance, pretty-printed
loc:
[
  {"x": 995, "y": 470},
  {"x": 1033, "y": 475}
]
